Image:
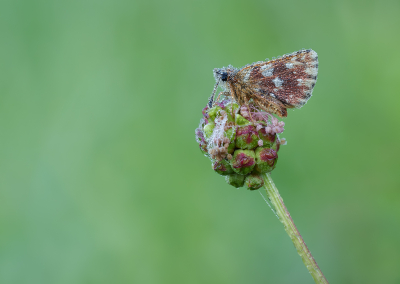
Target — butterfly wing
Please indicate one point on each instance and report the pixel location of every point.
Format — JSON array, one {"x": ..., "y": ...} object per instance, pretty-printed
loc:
[{"x": 289, "y": 79}]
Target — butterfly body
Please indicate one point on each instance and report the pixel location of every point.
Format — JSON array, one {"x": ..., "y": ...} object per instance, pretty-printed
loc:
[{"x": 274, "y": 86}]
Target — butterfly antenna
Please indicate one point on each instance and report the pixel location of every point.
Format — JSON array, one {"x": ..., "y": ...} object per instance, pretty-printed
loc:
[{"x": 211, "y": 99}]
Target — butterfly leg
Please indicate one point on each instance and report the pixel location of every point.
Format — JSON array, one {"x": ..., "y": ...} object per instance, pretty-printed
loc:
[
  {"x": 223, "y": 94},
  {"x": 246, "y": 103},
  {"x": 234, "y": 97}
]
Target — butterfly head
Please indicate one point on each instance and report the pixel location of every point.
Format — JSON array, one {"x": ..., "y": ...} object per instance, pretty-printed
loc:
[{"x": 222, "y": 75}]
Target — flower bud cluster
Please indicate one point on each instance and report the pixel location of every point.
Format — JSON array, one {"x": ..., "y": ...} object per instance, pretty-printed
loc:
[
  {"x": 220, "y": 152},
  {"x": 241, "y": 142}
]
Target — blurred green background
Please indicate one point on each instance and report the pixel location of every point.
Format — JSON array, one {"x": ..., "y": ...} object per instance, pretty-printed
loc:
[{"x": 101, "y": 180}]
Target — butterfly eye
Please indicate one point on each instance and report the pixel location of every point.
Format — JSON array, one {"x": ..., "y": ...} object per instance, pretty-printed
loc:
[{"x": 224, "y": 76}]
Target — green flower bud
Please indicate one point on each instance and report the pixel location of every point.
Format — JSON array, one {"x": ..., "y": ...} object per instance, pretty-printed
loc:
[
  {"x": 229, "y": 111},
  {"x": 213, "y": 112},
  {"x": 266, "y": 159},
  {"x": 208, "y": 129},
  {"x": 253, "y": 182},
  {"x": 246, "y": 137},
  {"x": 240, "y": 120},
  {"x": 243, "y": 161},
  {"x": 235, "y": 180},
  {"x": 222, "y": 167},
  {"x": 230, "y": 133}
]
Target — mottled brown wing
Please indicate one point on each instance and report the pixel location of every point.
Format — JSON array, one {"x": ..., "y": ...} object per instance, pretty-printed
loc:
[{"x": 290, "y": 78}]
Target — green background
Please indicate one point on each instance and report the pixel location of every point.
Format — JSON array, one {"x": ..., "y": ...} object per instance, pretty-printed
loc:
[{"x": 101, "y": 180}]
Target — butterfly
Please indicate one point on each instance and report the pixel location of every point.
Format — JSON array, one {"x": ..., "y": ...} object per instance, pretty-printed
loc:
[{"x": 275, "y": 85}]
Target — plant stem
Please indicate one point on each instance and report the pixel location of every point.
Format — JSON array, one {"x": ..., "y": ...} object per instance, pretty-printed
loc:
[{"x": 291, "y": 230}]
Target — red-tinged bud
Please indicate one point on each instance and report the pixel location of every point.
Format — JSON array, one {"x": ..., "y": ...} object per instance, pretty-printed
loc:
[
  {"x": 222, "y": 167},
  {"x": 266, "y": 159},
  {"x": 277, "y": 144},
  {"x": 243, "y": 161},
  {"x": 253, "y": 181},
  {"x": 246, "y": 137},
  {"x": 267, "y": 138},
  {"x": 235, "y": 180}
]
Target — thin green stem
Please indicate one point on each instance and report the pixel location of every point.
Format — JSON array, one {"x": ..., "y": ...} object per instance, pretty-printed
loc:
[{"x": 291, "y": 230}]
